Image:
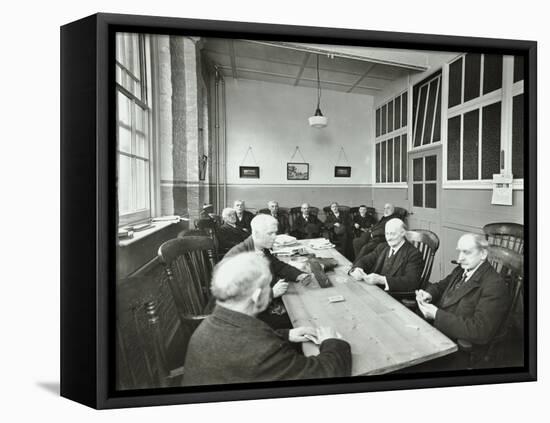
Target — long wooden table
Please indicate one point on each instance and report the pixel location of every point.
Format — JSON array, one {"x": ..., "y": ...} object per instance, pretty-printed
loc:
[{"x": 384, "y": 335}]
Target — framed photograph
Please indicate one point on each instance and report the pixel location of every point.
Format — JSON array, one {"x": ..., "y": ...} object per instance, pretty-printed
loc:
[
  {"x": 144, "y": 322},
  {"x": 249, "y": 172},
  {"x": 342, "y": 171},
  {"x": 297, "y": 171}
]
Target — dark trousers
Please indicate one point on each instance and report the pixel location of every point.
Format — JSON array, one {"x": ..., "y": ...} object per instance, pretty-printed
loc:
[{"x": 364, "y": 245}]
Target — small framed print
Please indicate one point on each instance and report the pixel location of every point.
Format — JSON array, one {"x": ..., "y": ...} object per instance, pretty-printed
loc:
[
  {"x": 342, "y": 171},
  {"x": 297, "y": 171},
  {"x": 249, "y": 172}
]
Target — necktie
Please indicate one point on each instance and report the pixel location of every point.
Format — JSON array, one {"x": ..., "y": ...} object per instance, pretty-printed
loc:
[
  {"x": 392, "y": 252},
  {"x": 462, "y": 281}
]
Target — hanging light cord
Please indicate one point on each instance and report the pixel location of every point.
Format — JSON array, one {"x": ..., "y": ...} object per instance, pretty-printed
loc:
[{"x": 318, "y": 85}]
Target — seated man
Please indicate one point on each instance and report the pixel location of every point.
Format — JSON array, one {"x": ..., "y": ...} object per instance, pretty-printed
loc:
[
  {"x": 472, "y": 301},
  {"x": 362, "y": 221},
  {"x": 373, "y": 236},
  {"x": 284, "y": 227},
  {"x": 395, "y": 265},
  {"x": 229, "y": 234},
  {"x": 264, "y": 231},
  {"x": 233, "y": 346},
  {"x": 339, "y": 227},
  {"x": 306, "y": 225},
  {"x": 244, "y": 217}
]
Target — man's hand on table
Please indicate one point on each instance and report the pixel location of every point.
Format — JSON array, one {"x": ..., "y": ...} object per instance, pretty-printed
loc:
[
  {"x": 428, "y": 310},
  {"x": 306, "y": 333},
  {"x": 375, "y": 279},
  {"x": 280, "y": 288},
  {"x": 304, "y": 278}
]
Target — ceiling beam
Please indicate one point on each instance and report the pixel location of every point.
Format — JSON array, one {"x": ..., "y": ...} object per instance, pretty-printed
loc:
[
  {"x": 304, "y": 63},
  {"x": 369, "y": 68},
  {"x": 232, "y": 58}
]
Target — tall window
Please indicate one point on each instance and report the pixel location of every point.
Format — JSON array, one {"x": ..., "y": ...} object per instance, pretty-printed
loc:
[
  {"x": 427, "y": 111},
  {"x": 391, "y": 141},
  {"x": 484, "y": 117},
  {"x": 133, "y": 129}
]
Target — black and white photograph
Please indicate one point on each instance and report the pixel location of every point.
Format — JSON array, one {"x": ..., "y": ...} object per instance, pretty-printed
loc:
[{"x": 413, "y": 264}]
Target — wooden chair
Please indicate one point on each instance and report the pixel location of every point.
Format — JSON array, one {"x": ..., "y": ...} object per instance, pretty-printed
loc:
[
  {"x": 188, "y": 263},
  {"x": 509, "y": 264},
  {"x": 427, "y": 242},
  {"x": 147, "y": 325},
  {"x": 507, "y": 235},
  {"x": 401, "y": 213}
]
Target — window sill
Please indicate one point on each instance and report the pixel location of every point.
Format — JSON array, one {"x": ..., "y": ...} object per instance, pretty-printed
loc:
[
  {"x": 391, "y": 185},
  {"x": 517, "y": 185},
  {"x": 140, "y": 235}
]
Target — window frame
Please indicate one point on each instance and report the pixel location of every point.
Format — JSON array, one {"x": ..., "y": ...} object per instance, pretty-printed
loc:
[{"x": 505, "y": 95}]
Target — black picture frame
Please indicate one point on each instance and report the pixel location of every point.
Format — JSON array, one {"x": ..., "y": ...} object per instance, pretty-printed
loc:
[
  {"x": 297, "y": 171},
  {"x": 342, "y": 171},
  {"x": 88, "y": 266},
  {"x": 249, "y": 172}
]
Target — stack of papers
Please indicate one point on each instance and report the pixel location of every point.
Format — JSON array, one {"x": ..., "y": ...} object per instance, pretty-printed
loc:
[
  {"x": 288, "y": 251},
  {"x": 321, "y": 244},
  {"x": 284, "y": 240}
]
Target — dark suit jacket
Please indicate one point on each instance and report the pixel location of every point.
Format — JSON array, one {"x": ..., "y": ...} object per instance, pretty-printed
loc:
[
  {"x": 404, "y": 275},
  {"x": 278, "y": 268},
  {"x": 301, "y": 227},
  {"x": 363, "y": 222},
  {"x": 475, "y": 311},
  {"x": 378, "y": 230},
  {"x": 231, "y": 347},
  {"x": 244, "y": 223},
  {"x": 229, "y": 236},
  {"x": 342, "y": 219}
]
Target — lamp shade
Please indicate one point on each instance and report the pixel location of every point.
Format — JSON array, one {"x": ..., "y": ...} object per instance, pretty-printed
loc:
[{"x": 318, "y": 121}]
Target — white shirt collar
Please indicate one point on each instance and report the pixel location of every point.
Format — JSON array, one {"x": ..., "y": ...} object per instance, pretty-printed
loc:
[
  {"x": 396, "y": 249},
  {"x": 470, "y": 272}
]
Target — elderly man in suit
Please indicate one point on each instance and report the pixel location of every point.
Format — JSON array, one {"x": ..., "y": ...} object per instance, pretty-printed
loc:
[
  {"x": 306, "y": 224},
  {"x": 244, "y": 217},
  {"x": 229, "y": 234},
  {"x": 339, "y": 227},
  {"x": 264, "y": 231},
  {"x": 362, "y": 221},
  {"x": 374, "y": 236},
  {"x": 471, "y": 302},
  {"x": 233, "y": 346},
  {"x": 284, "y": 227},
  {"x": 395, "y": 265}
]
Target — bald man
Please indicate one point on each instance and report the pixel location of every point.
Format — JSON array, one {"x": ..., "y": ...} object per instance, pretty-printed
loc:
[
  {"x": 373, "y": 236},
  {"x": 284, "y": 227},
  {"x": 395, "y": 265},
  {"x": 233, "y": 346},
  {"x": 306, "y": 225}
]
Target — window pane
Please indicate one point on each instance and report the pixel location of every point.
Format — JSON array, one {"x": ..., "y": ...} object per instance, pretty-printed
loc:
[
  {"x": 377, "y": 122},
  {"x": 390, "y": 116},
  {"x": 418, "y": 200},
  {"x": 455, "y": 83},
  {"x": 470, "y": 142},
  {"x": 397, "y": 113},
  {"x": 517, "y": 137},
  {"x": 490, "y": 141},
  {"x": 378, "y": 162},
  {"x": 383, "y": 120},
  {"x": 390, "y": 160},
  {"x": 427, "y": 138},
  {"x": 437, "y": 122},
  {"x": 420, "y": 116},
  {"x": 518, "y": 68},
  {"x": 431, "y": 196},
  {"x": 492, "y": 73},
  {"x": 142, "y": 178},
  {"x": 472, "y": 75},
  {"x": 383, "y": 162},
  {"x": 396, "y": 159},
  {"x": 124, "y": 105},
  {"x": 430, "y": 172},
  {"x": 404, "y": 157},
  {"x": 453, "y": 149},
  {"x": 124, "y": 184},
  {"x": 417, "y": 169},
  {"x": 404, "y": 111},
  {"x": 124, "y": 140}
]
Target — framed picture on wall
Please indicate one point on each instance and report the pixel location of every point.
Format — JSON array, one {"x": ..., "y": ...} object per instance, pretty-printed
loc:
[
  {"x": 249, "y": 172},
  {"x": 342, "y": 171},
  {"x": 160, "y": 318},
  {"x": 297, "y": 171}
]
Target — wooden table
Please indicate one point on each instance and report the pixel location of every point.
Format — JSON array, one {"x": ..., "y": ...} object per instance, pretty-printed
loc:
[{"x": 384, "y": 335}]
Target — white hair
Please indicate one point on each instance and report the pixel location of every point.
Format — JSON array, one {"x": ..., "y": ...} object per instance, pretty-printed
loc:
[
  {"x": 398, "y": 223},
  {"x": 260, "y": 222},
  {"x": 227, "y": 212},
  {"x": 480, "y": 241},
  {"x": 235, "y": 278}
]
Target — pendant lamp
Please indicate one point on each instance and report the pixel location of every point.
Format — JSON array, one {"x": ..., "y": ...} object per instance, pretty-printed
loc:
[{"x": 318, "y": 120}]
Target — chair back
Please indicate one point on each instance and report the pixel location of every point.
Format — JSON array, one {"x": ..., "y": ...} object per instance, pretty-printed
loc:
[
  {"x": 427, "y": 242},
  {"x": 282, "y": 210},
  {"x": 188, "y": 263},
  {"x": 146, "y": 325},
  {"x": 507, "y": 235},
  {"x": 401, "y": 213}
]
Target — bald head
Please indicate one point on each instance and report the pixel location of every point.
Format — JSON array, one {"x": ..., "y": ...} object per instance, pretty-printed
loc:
[
  {"x": 395, "y": 232},
  {"x": 305, "y": 209},
  {"x": 389, "y": 209},
  {"x": 240, "y": 281}
]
